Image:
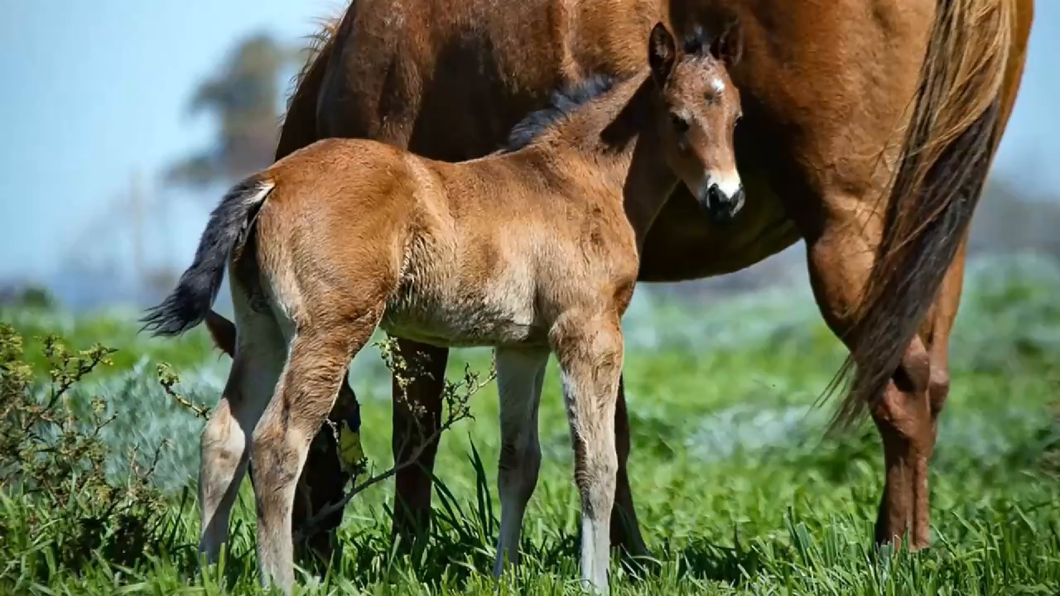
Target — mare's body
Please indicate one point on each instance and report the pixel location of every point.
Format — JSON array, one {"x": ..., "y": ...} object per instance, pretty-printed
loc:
[{"x": 829, "y": 86}]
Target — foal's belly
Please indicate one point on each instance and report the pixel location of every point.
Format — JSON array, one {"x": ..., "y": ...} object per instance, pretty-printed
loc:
[{"x": 465, "y": 313}]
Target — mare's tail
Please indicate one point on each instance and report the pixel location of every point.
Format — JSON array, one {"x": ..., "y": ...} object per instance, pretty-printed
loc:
[{"x": 956, "y": 123}]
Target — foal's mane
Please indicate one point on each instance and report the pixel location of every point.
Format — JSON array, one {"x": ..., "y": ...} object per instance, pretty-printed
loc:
[
  {"x": 566, "y": 100},
  {"x": 562, "y": 103}
]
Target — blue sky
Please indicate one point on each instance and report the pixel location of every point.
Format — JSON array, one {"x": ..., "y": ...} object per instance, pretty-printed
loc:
[{"x": 95, "y": 90}]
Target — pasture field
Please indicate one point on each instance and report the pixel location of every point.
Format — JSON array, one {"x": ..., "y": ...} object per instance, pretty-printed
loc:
[{"x": 738, "y": 491}]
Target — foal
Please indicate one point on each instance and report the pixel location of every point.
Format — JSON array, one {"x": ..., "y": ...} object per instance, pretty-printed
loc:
[{"x": 347, "y": 235}]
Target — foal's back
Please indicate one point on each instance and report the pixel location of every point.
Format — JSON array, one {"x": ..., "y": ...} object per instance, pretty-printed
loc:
[{"x": 472, "y": 253}]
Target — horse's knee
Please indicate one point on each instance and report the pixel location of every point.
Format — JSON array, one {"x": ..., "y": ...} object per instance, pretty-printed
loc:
[
  {"x": 914, "y": 371},
  {"x": 938, "y": 389},
  {"x": 905, "y": 410}
]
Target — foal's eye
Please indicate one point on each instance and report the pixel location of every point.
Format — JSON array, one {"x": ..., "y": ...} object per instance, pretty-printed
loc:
[{"x": 680, "y": 124}]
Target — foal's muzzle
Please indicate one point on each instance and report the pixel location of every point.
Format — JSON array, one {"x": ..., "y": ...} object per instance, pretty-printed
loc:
[{"x": 720, "y": 207}]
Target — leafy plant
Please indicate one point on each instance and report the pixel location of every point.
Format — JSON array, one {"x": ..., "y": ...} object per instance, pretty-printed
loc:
[{"x": 54, "y": 464}]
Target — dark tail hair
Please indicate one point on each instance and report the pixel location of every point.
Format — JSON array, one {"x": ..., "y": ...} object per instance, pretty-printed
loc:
[
  {"x": 189, "y": 303},
  {"x": 948, "y": 146}
]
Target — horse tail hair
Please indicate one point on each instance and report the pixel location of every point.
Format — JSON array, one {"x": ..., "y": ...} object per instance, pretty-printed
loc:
[
  {"x": 225, "y": 233},
  {"x": 955, "y": 126},
  {"x": 300, "y": 122}
]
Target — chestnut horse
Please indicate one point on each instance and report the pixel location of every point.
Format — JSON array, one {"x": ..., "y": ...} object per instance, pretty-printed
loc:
[
  {"x": 870, "y": 127},
  {"x": 533, "y": 250}
]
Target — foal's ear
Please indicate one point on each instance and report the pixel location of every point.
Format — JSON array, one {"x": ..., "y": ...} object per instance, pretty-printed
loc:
[
  {"x": 662, "y": 51},
  {"x": 728, "y": 47}
]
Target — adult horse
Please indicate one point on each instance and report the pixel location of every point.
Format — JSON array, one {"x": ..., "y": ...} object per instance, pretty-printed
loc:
[{"x": 869, "y": 129}]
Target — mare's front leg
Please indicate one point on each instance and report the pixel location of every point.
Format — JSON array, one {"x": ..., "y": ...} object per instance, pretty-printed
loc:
[
  {"x": 625, "y": 529},
  {"x": 520, "y": 373},
  {"x": 589, "y": 350},
  {"x": 417, "y": 416}
]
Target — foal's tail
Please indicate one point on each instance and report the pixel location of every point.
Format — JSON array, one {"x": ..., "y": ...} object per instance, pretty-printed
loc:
[
  {"x": 957, "y": 120},
  {"x": 190, "y": 302}
]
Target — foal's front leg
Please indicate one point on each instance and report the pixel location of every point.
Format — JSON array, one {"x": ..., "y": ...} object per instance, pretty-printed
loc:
[
  {"x": 589, "y": 350},
  {"x": 520, "y": 373}
]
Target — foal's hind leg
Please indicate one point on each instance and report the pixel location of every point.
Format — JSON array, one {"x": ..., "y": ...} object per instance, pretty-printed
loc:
[
  {"x": 589, "y": 351},
  {"x": 520, "y": 373},
  {"x": 319, "y": 353},
  {"x": 256, "y": 366},
  {"x": 323, "y": 481}
]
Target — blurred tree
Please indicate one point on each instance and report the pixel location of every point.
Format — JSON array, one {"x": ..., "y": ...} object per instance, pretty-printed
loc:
[{"x": 244, "y": 95}]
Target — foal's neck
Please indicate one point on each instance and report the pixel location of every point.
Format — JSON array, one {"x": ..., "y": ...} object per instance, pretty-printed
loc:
[{"x": 614, "y": 139}]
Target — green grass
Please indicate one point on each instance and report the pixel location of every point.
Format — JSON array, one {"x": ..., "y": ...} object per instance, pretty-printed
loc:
[{"x": 736, "y": 490}]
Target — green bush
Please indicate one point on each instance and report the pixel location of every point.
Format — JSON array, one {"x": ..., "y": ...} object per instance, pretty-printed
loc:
[{"x": 61, "y": 508}]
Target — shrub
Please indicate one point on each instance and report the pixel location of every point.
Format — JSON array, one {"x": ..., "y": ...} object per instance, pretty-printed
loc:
[{"x": 61, "y": 508}]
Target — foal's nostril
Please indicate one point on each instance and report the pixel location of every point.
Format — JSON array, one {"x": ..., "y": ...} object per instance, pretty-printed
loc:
[
  {"x": 715, "y": 198},
  {"x": 720, "y": 206}
]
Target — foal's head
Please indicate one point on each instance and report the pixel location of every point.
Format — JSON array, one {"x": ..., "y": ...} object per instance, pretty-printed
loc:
[{"x": 697, "y": 108}]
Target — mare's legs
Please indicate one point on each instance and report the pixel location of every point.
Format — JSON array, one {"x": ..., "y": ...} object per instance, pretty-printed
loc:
[
  {"x": 520, "y": 373},
  {"x": 588, "y": 347},
  {"x": 417, "y": 407},
  {"x": 320, "y": 351},
  {"x": 256, "y": 366},
  {"x": 907, "y": 419},
  {"x": 840, "y": 259},
  {"x": 625, "y": 530}
]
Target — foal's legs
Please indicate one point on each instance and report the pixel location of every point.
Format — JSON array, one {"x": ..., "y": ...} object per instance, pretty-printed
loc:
[
  {"x": 256, "y": 367},
  {"x": 320, "y": 351},
  {"x": 323, "y": 477},
  {"x": 520, "y": 373},
  {"x": 589, "y": 351},
  {"x": 323, "y": 480},
  {"x": 840, "y": 259}
]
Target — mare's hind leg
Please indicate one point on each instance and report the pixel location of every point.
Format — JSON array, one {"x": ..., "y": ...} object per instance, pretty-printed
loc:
[
  {"x": 908, "y": 421},
  {"x": 840, "y": 259},
  {"x": 320, "y": 351},
  {"x": 256, "y": 366},
  {"x": 589, "y": 351},
  {"x": 520, "y": 373}
]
